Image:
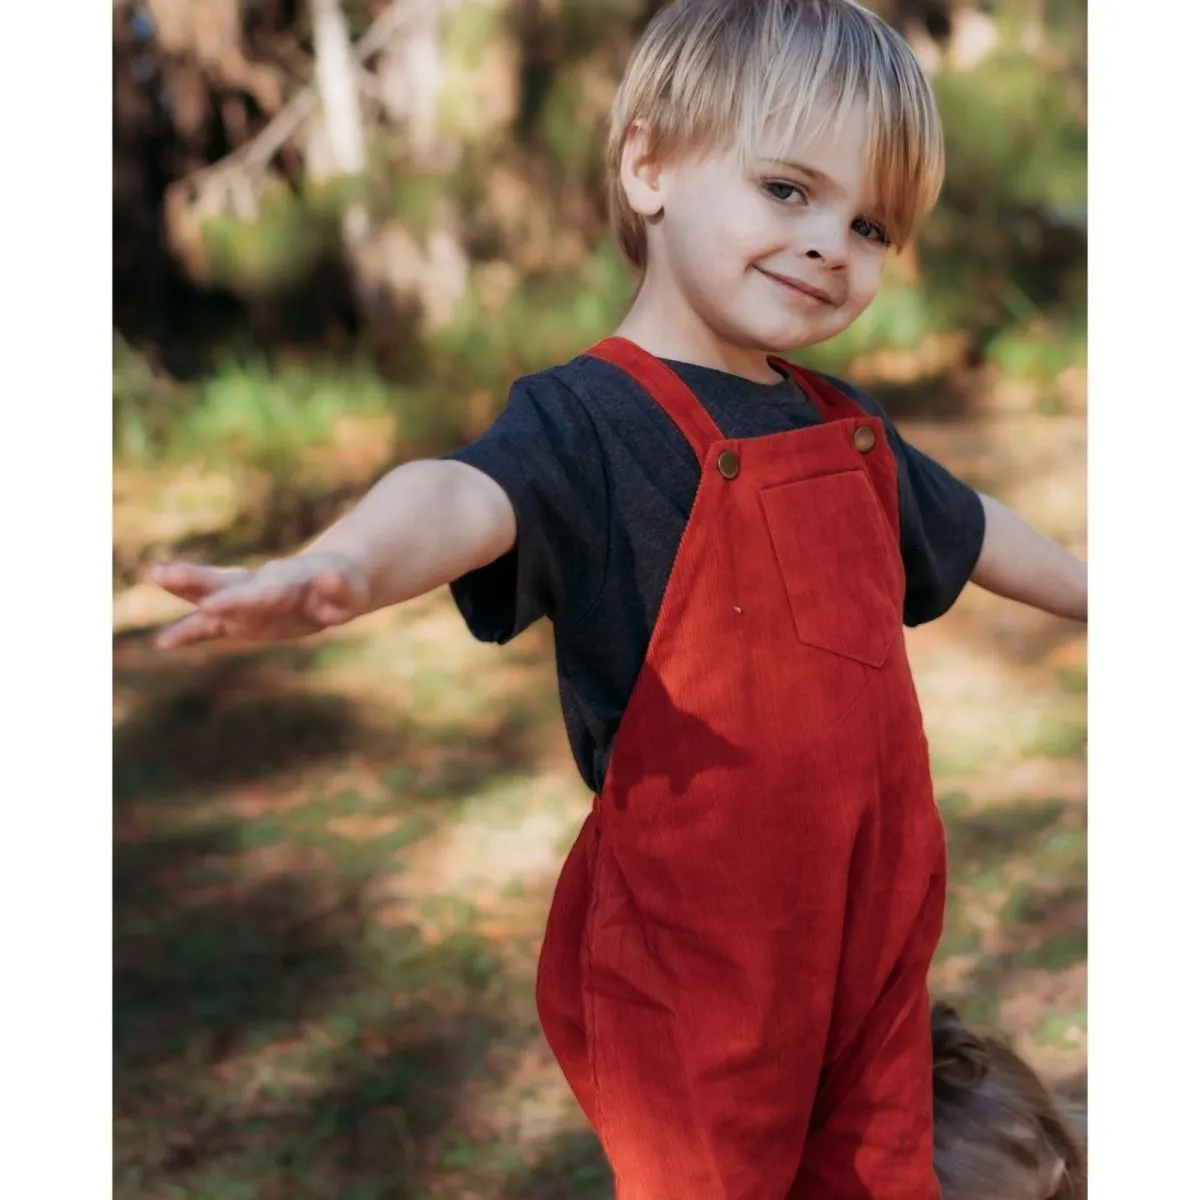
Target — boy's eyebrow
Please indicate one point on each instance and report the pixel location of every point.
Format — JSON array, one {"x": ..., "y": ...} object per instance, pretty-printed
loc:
[{"x": 804, "y": 169}]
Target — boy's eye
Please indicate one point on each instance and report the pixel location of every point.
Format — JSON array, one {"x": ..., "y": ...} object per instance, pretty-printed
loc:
[
  {"x": 781, "y": 190},
  {"x": 871, "y": 230}
]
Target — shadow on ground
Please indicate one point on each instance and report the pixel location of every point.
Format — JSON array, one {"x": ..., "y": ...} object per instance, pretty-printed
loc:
[
  {"x": 275, "y": 1032},
  {"x": 248, "y": 718},
  {"x": 266, "y": 1047}
]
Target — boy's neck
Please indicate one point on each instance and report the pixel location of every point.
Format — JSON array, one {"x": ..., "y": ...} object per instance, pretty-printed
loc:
[{"x": 672, "y": 330}]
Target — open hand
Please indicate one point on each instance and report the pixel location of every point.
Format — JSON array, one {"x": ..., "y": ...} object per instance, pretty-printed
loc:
[{"x": 288, "y": 598}]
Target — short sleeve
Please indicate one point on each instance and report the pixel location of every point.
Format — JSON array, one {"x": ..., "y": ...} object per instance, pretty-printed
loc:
[
  {"x": 941, "y": 524},
  {"x": 544, "y": 453}
]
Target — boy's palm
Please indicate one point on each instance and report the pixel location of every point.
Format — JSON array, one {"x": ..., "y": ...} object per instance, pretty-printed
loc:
[{"x": 290, "y": 598}]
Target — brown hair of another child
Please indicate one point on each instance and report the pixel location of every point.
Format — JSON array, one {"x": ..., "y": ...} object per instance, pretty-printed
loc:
[{"x": 998, "y": 1132}]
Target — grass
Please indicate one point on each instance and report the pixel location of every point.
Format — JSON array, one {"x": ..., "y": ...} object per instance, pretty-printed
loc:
[{"x": 248, "y": 409}]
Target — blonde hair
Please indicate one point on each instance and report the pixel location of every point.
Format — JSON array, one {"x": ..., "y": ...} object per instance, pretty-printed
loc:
[{"x": 709, "y": 74}]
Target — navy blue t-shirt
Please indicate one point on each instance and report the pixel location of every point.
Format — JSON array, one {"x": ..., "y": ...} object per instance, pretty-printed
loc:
[{"x": 602, "y": 483}]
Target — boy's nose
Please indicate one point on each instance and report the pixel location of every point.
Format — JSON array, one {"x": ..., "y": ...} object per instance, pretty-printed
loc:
[
  {"x": 831, "y": 253},
  {"x": 827, "y": 242}
]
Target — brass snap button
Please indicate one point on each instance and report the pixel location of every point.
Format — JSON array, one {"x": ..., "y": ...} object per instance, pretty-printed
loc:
[
  {"x": 728, "y": 463},
  {"x": 864, "y": 439}
]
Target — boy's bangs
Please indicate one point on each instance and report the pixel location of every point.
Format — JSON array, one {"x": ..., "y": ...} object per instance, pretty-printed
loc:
[
  {"x": 905, "y": 165},
  {"x": 905, "y": 154}
]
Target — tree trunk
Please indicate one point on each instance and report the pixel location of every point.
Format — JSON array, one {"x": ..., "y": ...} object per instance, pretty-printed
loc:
[
  {"x": 410, "y": 77},
  {"x": 337, "y": 85},
  {"x": 342, "y": 138}
]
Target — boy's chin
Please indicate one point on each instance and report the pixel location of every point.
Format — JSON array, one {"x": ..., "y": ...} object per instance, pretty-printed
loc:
[{"x": 791, "y": 339}]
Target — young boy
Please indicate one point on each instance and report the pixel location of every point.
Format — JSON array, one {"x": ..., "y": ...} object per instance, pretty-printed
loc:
[{"x": 734, "y": 971}]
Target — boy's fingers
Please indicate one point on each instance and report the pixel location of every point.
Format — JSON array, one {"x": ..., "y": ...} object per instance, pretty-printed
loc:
[
  {"x": 331, "y": 600},
  {"x": 326, "y": 613},
  {"x": 331, "y": 587},
  {"x": 190, "y": 582},
  {"x": 192, "y": 629},
  {"x": 249, "y": 597}
]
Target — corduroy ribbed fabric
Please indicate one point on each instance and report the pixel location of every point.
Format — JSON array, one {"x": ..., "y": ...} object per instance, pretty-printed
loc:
[{"x": 733, "y": 977}]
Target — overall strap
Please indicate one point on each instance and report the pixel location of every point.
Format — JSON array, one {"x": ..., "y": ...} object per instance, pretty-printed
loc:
[
  {"x": 671, "y": 394},
  {"x": 832, "y": 404}
]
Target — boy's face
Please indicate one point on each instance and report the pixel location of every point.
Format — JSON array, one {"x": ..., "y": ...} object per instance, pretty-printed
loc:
[{"x": 775, "y": 254}]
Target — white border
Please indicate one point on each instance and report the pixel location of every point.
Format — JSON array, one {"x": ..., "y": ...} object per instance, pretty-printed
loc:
[
  {"x": 1144, "y": 792},
  {"x": 55, "y": 601}
]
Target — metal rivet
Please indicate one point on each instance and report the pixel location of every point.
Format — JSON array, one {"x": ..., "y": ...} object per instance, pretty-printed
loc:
[
  {"x": 728, "y": 463},
  {"x": 864, "y": 439}
]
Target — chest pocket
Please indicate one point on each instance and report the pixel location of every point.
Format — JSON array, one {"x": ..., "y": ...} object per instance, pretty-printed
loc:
[{"x": 840, "y": 563}]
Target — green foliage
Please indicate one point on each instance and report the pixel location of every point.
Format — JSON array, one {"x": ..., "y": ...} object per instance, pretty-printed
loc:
[
  {"x": 1012, "y": 138},
  {"x": 415, "y": 200},
  {"x": 1039, "y": 351},
  {"x": 247, "y": 411},
  {"x": 582, "y": 25},
  {"x": 1007, "y": 241},
  {"x": 547, "y": 320},
  {"x": 467, "y": 32},
  {"x": 252, "y": 409},
  {"x": 571, "y": 147},
  {"x": 144, "y": 406},
  {"x": 291, "y": 235}
]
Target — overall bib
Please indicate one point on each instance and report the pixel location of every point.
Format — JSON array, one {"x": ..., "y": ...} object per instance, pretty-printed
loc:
[{"x": 733, "y": 978}]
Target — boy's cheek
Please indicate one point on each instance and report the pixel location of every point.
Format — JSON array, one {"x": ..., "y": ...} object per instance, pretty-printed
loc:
[
  {"x": 864, "y": 303},
  {"x": 863, "y": 292}
]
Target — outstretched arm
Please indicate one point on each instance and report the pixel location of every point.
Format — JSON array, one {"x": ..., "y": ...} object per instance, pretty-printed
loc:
[
  {"x": 1022, "y": 564},
  {"x": 421, "y": 526}
]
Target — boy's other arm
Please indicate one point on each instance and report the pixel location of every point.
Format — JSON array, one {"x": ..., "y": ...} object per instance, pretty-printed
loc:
[
  {"x": 1020, "y": 563},
  {"x": 422, "y": 525}
]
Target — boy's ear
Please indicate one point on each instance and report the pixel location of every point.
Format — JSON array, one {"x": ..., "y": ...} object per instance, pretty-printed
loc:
[{"x": 641, "y": 174}]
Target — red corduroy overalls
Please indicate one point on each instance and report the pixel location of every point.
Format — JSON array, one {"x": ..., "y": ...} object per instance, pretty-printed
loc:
[{"x": 734, "y": 972}]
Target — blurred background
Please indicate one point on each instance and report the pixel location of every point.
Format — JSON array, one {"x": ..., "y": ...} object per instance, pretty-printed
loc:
[{"x": 340, "y": 229}]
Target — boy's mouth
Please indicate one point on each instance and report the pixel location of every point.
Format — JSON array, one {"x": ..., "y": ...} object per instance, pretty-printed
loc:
[{"x": 799, "y": 287}]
